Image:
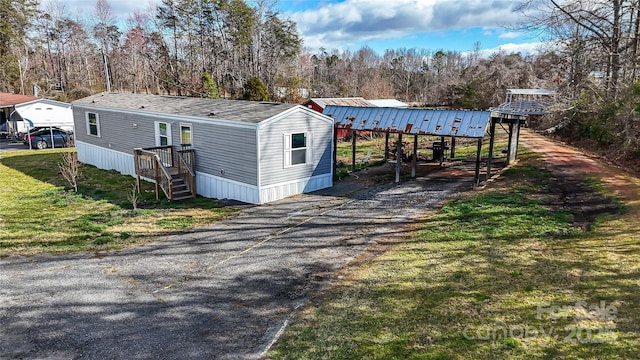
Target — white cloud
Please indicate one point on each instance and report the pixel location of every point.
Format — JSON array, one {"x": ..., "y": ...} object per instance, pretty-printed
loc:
[
  {"x": 510, "y": 35},
  {"x": 524, "y": 49},
  {"x": 354, "y": 21},
  {"x": 86, "y": 8}
]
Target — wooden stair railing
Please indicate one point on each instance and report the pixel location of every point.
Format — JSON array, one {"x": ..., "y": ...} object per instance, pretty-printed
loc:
[
  {"x": 157, "y": 164},
  {"x": 187, "y": 173}
]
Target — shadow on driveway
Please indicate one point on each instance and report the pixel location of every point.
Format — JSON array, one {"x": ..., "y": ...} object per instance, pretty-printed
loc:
[{"x": 222, "y": 291}]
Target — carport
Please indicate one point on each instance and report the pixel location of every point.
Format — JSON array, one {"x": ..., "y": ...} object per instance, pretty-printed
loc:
[{"x": 451, "y": 124}]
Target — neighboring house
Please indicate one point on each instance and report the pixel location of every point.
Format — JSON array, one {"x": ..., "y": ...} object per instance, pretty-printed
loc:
[
  {"x": 255, "y": 152},
  {"x": 43, "y": 112},
  {"x": 318, "y": 104},
  {"x": 391, "y": 103},
  {"x": 7, "y": 107},
  {"x": 282, "y": 92}
]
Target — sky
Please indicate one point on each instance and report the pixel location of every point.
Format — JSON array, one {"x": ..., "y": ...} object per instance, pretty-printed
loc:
[{"x": 457, "y": 25}]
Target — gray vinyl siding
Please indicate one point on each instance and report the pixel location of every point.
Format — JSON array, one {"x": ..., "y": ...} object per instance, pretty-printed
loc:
[
  {"x": 217, "y": 147},
  {"x": 272, "y": 168},
  {"x": 116, "y": 130},
  {"x": 226, "y": 148}
]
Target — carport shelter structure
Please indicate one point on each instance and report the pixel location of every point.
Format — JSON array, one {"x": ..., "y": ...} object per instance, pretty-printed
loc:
[{"x": 470, "y": 124}]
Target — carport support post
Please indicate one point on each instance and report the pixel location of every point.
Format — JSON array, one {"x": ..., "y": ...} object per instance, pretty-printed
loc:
[
  {"x": 510, "y": 146},
  {"x": 353, "y": 150},
  {"x": 492, "y": 139},
  {"x": 399, "y": 157},
  {"x": 386, "y": 146},
  {"x": 513, "y": 143},
  {"x": 453, "y": 147},
  {"x": 414, "y": 159},
  {"x": 442, "y": 151},
  {"x": 477, "y": 176}
]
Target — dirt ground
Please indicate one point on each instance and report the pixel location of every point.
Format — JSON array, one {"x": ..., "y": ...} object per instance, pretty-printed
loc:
[{"x": 575, "y": 163}]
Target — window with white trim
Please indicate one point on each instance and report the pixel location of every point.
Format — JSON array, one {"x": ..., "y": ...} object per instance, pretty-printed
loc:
[
  {"x": 186, "y": 135},
  {"x": 93, "y": 124},
  {"x": 297, "y": 149},
  {"x": 163, "y": 133}
]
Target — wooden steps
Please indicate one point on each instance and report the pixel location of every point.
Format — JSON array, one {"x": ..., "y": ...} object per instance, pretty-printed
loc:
[{"x": 179, "y": 189}]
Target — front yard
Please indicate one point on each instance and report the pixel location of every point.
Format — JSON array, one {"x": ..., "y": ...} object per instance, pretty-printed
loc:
[
  {"x": 538, "y": 266},
  {"x": 40, "y": 213}
]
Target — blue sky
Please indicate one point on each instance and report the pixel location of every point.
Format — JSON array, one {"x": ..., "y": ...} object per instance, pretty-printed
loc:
[{"x": 384, "y": 24}]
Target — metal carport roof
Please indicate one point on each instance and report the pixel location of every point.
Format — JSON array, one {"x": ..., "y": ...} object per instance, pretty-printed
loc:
[{"x": 458, "y": 123}]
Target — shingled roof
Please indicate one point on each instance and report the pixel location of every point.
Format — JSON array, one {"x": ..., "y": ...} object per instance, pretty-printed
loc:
[
  {"x": 233, "y": 110},
  {"x": 7, "y": 99}
]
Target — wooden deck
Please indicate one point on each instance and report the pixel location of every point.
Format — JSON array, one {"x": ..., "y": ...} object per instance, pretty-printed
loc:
[{"x": 172, "y": 171}]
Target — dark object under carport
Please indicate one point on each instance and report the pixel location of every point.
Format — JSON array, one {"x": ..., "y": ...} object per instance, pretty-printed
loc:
[{"x": 438, "y": 149}]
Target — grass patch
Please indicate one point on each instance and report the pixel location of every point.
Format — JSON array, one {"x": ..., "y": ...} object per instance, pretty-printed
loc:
[
  {"x": 465, "y": 150},
  {"x": 38, "y": 214},
  {"x": 505, "y": 273}
]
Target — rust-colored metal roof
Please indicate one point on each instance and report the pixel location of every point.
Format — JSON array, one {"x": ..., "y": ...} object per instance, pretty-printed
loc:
[
  {"x": 7, "y": 99},
  {"x": 458, "y": 123},
  {"x": 349, "y": 101}
]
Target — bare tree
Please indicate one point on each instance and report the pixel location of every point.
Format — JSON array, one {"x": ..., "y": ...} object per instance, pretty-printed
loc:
[
  {"x": 610, "y": 28},
  {"x": 69, "y": 168}
]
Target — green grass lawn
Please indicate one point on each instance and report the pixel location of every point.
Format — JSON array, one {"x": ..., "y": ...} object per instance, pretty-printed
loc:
[
  {"x": 500, "y": 274},
  {"x": 39, "y": 213}
]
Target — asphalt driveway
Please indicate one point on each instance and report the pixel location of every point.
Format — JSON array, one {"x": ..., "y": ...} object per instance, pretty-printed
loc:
[
  {"x": 6, "y": 145},
  {"x": 219, "y": 292}
]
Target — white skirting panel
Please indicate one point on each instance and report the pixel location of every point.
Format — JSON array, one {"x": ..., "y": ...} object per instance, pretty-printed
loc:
[
  {"x": 283, "y": 190},
  {"x": 207, "y": 185},
  {"x": 106, "y": 159},
  {"x": 220, "y": 188}
]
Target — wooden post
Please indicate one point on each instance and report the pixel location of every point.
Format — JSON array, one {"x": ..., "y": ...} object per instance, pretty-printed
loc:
[
  {"x": 477, "y": 175},
  {"x": 386, "y": 146},
  {"x": 513, "y": 147},
  {"x": 492, "y": 139},
  {"x": 136, "y": 163},
  {"x": 453, "y": 147},
  {"x": 155, "y": 166},
  {"x": 443, "y": 149},
  {"x": 511, "y": 139},
  {"x": 398, "y": 157},
  {"x": 414, "y": 160},
  {"x": 353, "y": 150}
]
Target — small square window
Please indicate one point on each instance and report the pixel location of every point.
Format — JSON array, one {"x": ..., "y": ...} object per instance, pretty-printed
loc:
[
  {"x": 297, "y": 149},
  {"x": 93, "y": 124},
  {"x": 163, "y": 134}
]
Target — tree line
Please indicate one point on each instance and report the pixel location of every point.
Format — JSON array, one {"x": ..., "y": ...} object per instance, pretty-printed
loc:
[
  {"x": 231, "y": 49},
  {"x": 236, "y": 49}
]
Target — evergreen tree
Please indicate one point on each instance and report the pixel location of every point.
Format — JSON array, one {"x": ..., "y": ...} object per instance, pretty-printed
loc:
[{"x": 255, "y": 90}]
